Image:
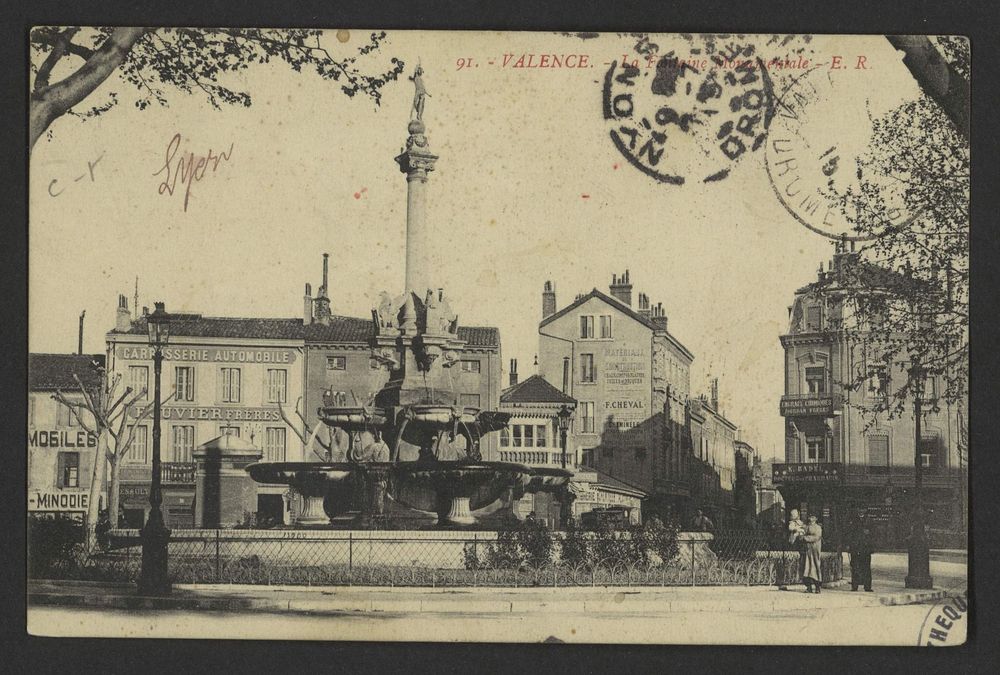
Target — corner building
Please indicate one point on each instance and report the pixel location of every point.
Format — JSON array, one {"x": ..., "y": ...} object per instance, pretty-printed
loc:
[{"x": 841, "y": 463}]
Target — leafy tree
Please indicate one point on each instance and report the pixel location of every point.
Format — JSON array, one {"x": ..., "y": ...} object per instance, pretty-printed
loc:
[
  {"x": 193, "y": 60},
  {"x": 904, "y": 294}
]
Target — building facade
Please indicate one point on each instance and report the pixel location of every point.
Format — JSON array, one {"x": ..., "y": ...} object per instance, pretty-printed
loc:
[
  {"x": 843, "y": 462},
  {"x": 631, "y": 379},
  {"x": 61, "y": 454},
  {"x": 533, "y": 438},
  {"x": 220, "y": 376}
]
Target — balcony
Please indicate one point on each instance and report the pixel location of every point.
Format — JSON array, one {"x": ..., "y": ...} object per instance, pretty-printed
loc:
[
  {"x": 798, "y": 405},
  {"x": 174, "y": 473}
]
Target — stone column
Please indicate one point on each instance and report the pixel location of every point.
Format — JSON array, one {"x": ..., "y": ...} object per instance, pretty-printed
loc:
[{"x": 416, "y": 162}]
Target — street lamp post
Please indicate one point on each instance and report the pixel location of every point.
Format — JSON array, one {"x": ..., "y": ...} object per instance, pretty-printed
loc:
[
  {"x": 918, "y": 548},
  {"x": 153, "y": 579},
  {"x": 565, "y": 417}
]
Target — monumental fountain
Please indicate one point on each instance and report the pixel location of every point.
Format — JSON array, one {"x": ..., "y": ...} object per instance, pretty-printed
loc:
[{"x": 428, "y": 458}]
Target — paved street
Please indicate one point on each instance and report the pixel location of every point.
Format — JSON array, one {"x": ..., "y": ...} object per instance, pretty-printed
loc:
[{"x": 724, "y": 615}]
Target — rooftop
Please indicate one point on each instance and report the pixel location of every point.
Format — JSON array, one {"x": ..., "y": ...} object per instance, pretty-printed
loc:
[
  {"x": 535, "y": 389},
  {"x": 48, "y": 372},
  {"x": 341, "y": 329},
  {"x": 620, "y": 306}
]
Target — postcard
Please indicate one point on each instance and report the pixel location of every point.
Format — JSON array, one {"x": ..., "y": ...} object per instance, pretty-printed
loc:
[{"x": 498, "y": 336}]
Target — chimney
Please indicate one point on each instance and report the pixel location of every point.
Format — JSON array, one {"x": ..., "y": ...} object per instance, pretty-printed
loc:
[
  {"x": 307, "y": 306},
  {"x": 79, "y": 341},
  {"x": 548, "y": 300},
  {"x": 123, "y": 320},
  {"x": 715, "y": 393},
  {"x": 323, "y": 299},
  {"x": 658, "y": 316},
  {"x": 643, "y": 309},
  {"x": 513, "y": 372},
  {"x": 621, "y": 289}
]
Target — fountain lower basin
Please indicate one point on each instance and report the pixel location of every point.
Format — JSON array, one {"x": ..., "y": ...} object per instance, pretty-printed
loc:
[{"x": 452, "y": 490}]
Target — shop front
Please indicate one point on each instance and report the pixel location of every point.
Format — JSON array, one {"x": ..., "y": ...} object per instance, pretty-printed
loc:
[{"x": 816, "y": 489}]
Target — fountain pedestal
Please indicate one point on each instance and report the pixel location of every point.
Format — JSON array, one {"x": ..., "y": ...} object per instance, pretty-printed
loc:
[
  {"x": 312, "y": 512},
  {"x": 459, "y": 513}
]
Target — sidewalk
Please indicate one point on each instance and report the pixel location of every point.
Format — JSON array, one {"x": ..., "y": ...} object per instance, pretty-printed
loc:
[{"x": 406, "y": 600}]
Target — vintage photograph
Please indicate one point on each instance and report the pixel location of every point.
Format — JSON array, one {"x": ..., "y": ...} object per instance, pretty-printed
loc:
[{"x": 454, "y": 336}]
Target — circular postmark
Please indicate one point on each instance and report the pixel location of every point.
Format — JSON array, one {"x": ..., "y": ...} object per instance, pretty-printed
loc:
[
  {"x": 824, "y": 159},
  {"x": 947, "y": 622},
  {"x": 688, "y": 117}
]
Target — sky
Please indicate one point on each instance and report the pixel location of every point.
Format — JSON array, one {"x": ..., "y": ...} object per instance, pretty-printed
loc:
[{"x": 528, "y": 188}]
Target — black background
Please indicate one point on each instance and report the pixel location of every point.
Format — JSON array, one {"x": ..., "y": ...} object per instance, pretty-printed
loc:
[{"x": 24, "y": 653}]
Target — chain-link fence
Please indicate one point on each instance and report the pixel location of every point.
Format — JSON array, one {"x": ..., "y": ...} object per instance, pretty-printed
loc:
[{"x": 451, "y": 559}]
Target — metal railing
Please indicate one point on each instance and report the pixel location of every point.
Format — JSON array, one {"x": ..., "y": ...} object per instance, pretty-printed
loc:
[{"x": 447, "y": 559}]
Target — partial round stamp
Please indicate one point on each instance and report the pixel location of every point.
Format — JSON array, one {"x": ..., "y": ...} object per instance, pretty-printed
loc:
[
  {"x": 689, "y": 117},
  {"x": 947, "y": 623},
  {"x": 823, "y": 154}
]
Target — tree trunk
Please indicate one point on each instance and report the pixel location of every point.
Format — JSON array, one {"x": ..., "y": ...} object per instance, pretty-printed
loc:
[
  {"x": 114, "y": 496},
  {"x": 51, "y": 102},
  {"x": 96, "y": 485}
]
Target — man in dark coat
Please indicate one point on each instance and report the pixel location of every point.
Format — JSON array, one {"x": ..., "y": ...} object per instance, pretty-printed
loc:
[{"x": 861, "y": 547}]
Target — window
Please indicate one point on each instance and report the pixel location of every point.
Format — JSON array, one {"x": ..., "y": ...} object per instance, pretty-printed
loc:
[
  {"x": 63, "y": 415},
  {"x": 586, "y": 327},
  {"x": 878, "y": 453},
  {"x": 814, "y": 317},
  {"x": 517, "y": 435},
  {"x": 529, "y": 436},
  {"x": 229, "y": 431},
  {"x": 878, "y": 382},
  {"x": 469, "y": 400},
  {"x": 470, "y": 366},
  {"x": 277, "y": 379},
  {"x": 70, "y": 472},
  {"x": 816, "y": 379},
  {"x": 138, "y": 378},
  {"x": 816, "y": 449},
  {"x": 606, "y": 326},
  {"x": 182, "y": 443},
  {"x": 587, "y": 458},
  {"x": 230, "y": 385},
  {"x": 540, "y": 436},
  {"x": 184, "y": 383},
  {"x": 505, "y": 437},
  {"x": 587, "y": 417},
  {"x": 274, "y": 444},
  {"x": 138, "y": 453},
  {"x": 930, "y": 452},
  {"x": 587, "y": 373},
  {"x": 336, "y": 363}
]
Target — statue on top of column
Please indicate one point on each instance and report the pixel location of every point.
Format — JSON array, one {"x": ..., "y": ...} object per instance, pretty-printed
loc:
[{"x": 419, "y": 93}]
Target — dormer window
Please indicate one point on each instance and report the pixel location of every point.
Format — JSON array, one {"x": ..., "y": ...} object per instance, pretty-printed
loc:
[{"x": 814, "y": 317}]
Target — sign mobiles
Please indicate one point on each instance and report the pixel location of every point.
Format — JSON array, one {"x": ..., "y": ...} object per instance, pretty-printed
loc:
[{"x": 60, "y": 438}]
